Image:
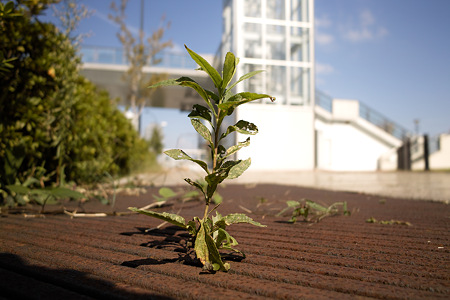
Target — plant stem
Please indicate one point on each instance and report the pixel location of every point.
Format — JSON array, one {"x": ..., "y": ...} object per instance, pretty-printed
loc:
[{"x": 205, "y": 214}]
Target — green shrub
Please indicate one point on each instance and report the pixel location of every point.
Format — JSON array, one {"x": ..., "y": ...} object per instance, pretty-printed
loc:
[{"x": 54, "y": 124}]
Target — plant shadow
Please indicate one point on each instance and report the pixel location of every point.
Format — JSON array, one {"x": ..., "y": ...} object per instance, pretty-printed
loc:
[{"x": 173, "y": 240}]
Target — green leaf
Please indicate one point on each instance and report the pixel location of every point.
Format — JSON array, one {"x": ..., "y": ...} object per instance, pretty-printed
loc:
[
  {"x": 225, "y": 239},
  {"x": 240, "y": 218},
  {"x": 244, "y": 77},
  {"x": 192, "y": 227},
  {"x": 205, "y": 66},
  {"x": 215, "y": 179},
  {"x": 316, "y": 206},
  {"x": 61, "y": 192},
  {"x": 229, "y": 69},
  {"x": 207, "y": 252},
  {"x": 201, "y": 248},
  {"x": 171, "y": 218},
  {"x": 239, "y": 168},
  {"x": 202, "y": 130},
  {"x": 18, "y": 189},
  {"x": 235, "y": 148},
  {"x": 195, "y": 184},
  {"x": 241, "y": 126},
  {"x": 201, "y": 112},
  {"x": 238, "y": 99},
  {"x": 213, "y": 96},
  {"x": 217, "y": 198},
  {"x": 166, "y": 192},
  {"x": 292, "y": 203},
  {"x": 242, "y": 98},
  {"x": 187, "y": 82},
  {"x": 178, "y": 154}
]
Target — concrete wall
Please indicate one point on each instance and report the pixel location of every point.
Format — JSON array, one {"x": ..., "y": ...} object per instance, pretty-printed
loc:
[
  {"x": 441, "y": 159},
  {"x": 285, "y": 140},
  {"x": 346, "y": 142}
]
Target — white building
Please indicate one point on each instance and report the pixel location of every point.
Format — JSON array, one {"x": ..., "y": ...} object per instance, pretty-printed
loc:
[
  {"x": 276, "y": 36},
  {"x": 294, "y": 132}
]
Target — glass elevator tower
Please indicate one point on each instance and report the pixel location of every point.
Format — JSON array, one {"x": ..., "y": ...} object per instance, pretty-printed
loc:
[{"x": 276, "y": 36}]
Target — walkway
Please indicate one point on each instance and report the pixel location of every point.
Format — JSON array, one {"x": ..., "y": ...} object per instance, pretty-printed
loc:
[{"x": 408, "y": 185}]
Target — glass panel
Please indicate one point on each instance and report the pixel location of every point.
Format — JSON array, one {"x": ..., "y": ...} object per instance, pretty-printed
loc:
[
  {"x": 275, "y": 9},
  {"x": 252, "y": 8},
  {"x": 299, "y": 86},
  {"x": 296, "y": 85},
  {"x": 255, "y": 83},
  {"x": 276, "y": 42},
  {"x": 252, "y": 40},
  {"x": 276, "y": 85},
  {"x": 299, "y": 44},
  {"x": 299, "y": 10}
]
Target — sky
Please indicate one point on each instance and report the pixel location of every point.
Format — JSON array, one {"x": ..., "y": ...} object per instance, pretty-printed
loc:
[{"x": 392, "y": 55}]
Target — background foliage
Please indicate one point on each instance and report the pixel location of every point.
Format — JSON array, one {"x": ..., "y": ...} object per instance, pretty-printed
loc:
[{"x": 54, "y": 124}]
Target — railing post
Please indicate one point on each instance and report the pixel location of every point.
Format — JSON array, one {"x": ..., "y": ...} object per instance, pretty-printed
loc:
[
  {"x": 426, "y": 152},
  {"x": 404, "y": 155}
]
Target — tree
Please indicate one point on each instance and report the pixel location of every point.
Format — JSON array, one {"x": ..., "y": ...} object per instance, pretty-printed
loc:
[
  {"x": 70, "y": 14},
  {"x": 139, "y": 54},
  {"x": 155, "y": 142}
]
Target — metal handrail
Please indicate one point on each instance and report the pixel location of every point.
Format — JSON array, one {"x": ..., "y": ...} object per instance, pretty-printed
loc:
[
  {"x": 382, "y": 122},
  {"x": 116, "y": 56},
  {"x": 325, "y": 101}
]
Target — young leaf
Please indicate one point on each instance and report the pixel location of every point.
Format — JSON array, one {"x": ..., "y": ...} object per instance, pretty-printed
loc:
[
  {"x": 225, "y": 239},
  {"x": 188, "y": 82},
  {"x": 195, "y": 184},
  {"x": 18, "y": 189},
  {"x": 240, "y": 218},
  {"x": 171, "y": 218},
  {"x": 202, "y": 130},
  {"x": 315, "y": 206},
  {"x": 213, "y": 96},
  {"x": 239, "y": 168},
  {"x": 236, "y": 148},
  {"x": 191, "y": 227},
  {"x": 241, "y": 98},
  {"x": 201, "y": 112},
  {"x": 229, "y": 69},
  {"x": 290, "y": 204},
  {"x": 214, "y": 179},
  {"x": 244, "y": 77},
  {"x": 205, "y": 66},
  {"x": 241, "y": 126},
  {"x": 61, "y": 192},
  {"x": 178, "y": 154},
  {"x": 166, "y": 192},
  {"x": 203, "y": 249}
]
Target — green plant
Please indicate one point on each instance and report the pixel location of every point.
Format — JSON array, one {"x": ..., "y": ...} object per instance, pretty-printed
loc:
[
  {"x": 386, "y": 222},
  {"x": 209, "y": 232},
  {"x": 166, "y": 194},
  {"x": 312, "y": 211},
  {"x": 43, "y": 196}
]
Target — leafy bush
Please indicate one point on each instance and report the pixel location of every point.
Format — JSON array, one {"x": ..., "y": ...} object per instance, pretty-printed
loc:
[{"x": 54, "y": 124}]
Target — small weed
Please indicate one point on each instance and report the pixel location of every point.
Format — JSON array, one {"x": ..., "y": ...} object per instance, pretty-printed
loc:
[
  {"x": 312, "y": 211},
  {"x": 384, "y": 222},
  {"x": 209, "y": 233}
]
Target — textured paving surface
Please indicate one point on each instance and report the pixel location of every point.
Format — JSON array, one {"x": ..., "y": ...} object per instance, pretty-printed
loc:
[{"x": 341, "y": 257}]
